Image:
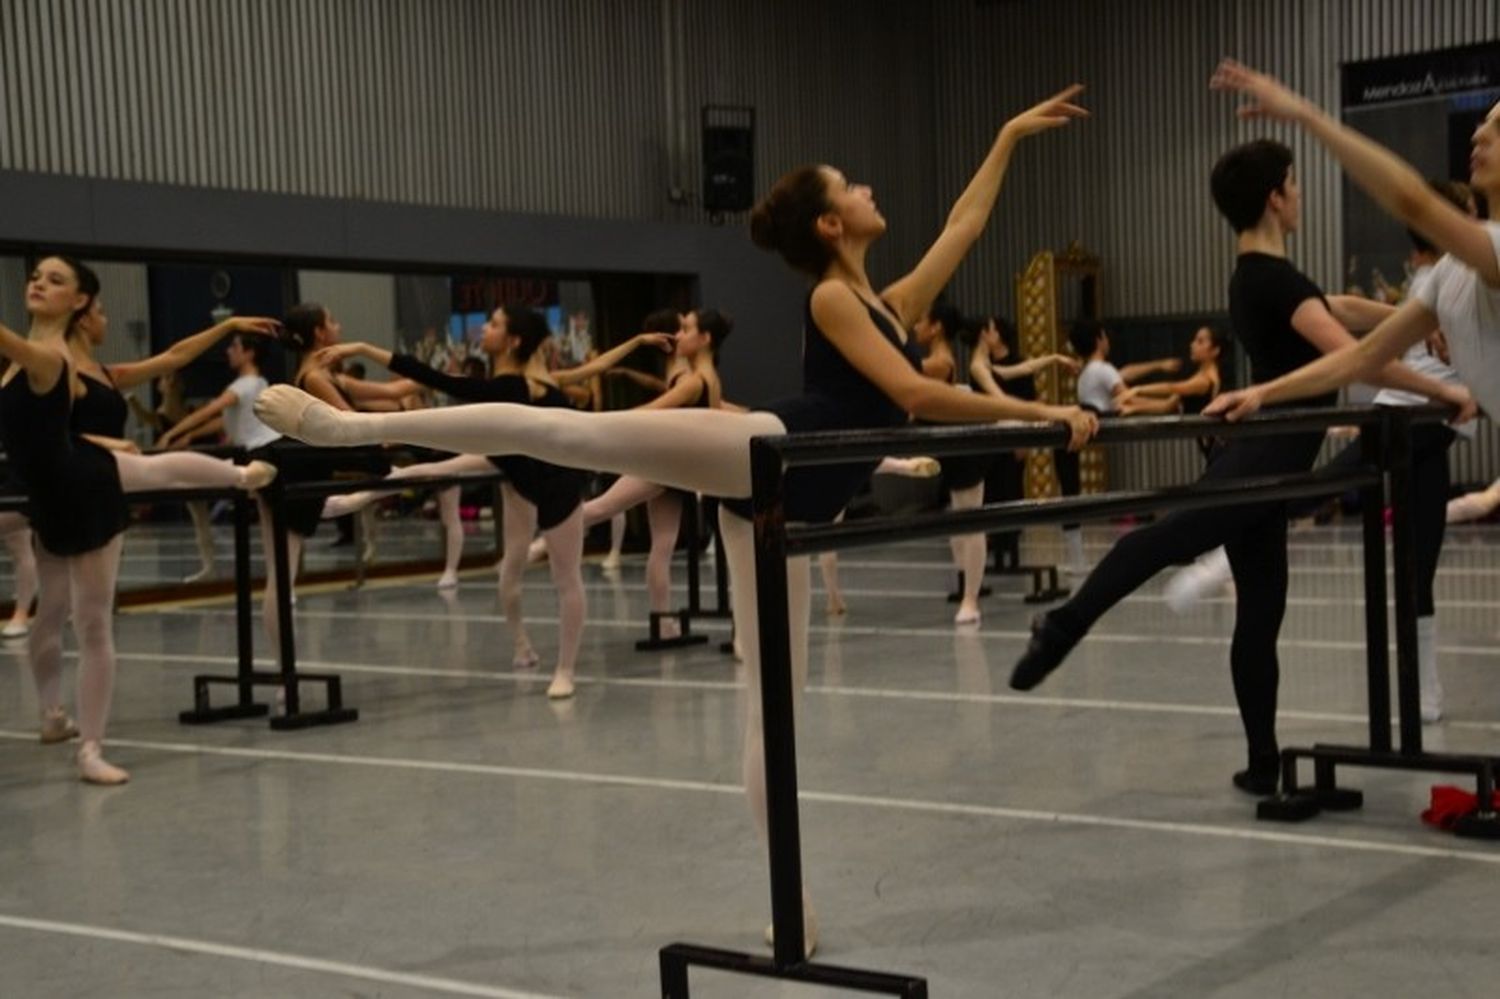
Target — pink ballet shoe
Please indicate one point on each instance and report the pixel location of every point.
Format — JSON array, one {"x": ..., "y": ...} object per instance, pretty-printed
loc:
[
  {"x": 93, "y": 768},
  {"x": 448, "y": 581},
  {"x": 57, "y": 727},
  {"x": 966, "y": 616},
  {"x": 257, "y": 475},
  {"x": 560, "y": 689},
  {"x": 293, "y": 412}
]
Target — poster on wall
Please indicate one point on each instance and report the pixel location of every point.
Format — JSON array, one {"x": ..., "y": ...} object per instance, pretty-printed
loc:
[{"x": 1425, "y": 107}]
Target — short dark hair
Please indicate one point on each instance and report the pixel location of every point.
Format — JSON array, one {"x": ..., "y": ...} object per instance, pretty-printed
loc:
[
  {"x": 1084, "y": 336},
  {"x": 529, "y": 325},
  {"x": 252, "y": 345},
  {"x": 1456, "y": 193},
  {"x": 1244, "y": 178},
  {"x": 299, "y": 327},
  {"x": 718, "y": 325},
  {"x": 1219, "y": 337},
  {"x": 948, "y": 315},
  {"x": 662, "y": 321},
  {"x": 785, "y": 220}
]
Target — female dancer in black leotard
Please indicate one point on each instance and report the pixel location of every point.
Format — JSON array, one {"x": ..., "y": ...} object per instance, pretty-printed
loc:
[
  {"x": 1190, "y": 394},
  {"x": 535, "y": 494},
  {"x": 77, "y": 507},
  {"x": 859, "y": 372}
]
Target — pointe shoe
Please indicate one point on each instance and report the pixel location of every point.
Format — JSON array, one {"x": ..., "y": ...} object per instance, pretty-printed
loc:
[
  {"x": 293, "y": 412},
  {"x": 16, "y": 629},
  {"x": 1048, "y": 647},
  {"x": 448, "y": 581},
  {"x": 525, "y": 659},
  {"x": 611, "y": 562},
  {"x": 57, "y": 727},
  {"x": 1193, "y": 584},
  {"x": 1431, "y": 713},
  {"x": 968, "y": 615},
  {"x": 93, "y": 768},
  {"x": 560, "y": 689},
  {"x": 257, "y": 475},
  {"x": 809, "y": 931},
  {"x": 536, "y": 551}
]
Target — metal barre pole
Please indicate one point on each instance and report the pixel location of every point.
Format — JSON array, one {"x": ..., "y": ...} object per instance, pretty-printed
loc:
[{"x": 1374, "y": 445}]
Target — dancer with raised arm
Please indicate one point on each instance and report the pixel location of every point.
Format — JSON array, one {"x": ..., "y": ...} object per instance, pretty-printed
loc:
[
  {"x": 860, "y": 371},
  {"x": 536, "y": 495},
  {"x": 1283, "y": 320}
]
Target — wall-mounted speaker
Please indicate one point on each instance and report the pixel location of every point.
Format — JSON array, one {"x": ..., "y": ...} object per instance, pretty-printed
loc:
[{"x": 728, "y": 158}]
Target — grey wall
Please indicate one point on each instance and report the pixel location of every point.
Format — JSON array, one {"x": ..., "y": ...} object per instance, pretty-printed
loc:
[{"x": 1132, "y": 182}]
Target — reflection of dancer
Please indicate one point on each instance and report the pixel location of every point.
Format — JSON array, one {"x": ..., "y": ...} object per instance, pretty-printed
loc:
[
  {"x": 535, "y": 494},
  {"x": 1459, "y": 296},
  {"x": 1284, "y": 321},
  {"x": 77, "y": 506},
  {"x": 859, "y": 372}
]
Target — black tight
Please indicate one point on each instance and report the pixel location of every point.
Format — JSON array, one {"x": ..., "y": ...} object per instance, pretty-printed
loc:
[{"x": 1255, "y": 538}]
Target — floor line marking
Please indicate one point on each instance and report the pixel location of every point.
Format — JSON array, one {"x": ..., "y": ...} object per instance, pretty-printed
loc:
[
  {"x": 821, "y": 797},
  {"x": 258, "y": 955},
  {"x": 852, "y": 630}
]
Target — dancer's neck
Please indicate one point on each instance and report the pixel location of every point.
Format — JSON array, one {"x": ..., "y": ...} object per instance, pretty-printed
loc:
[
  {"x": 44, "y": 330},
  {"x": 1267, "y": 237}
]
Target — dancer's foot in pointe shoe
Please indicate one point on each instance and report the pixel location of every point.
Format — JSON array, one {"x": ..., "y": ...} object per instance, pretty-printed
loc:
[
  {"x": 448, "y": 581},
  {"x": 257, "y": 475},
  {"x": 57, "y": 726},
  {"x": 93, "y": 768},
  {"x": 967, "y": 615},
  {"x": 16, "y": 627},
  {"x": 536, "y": 551},
  {"x": 561, "y": 687},
  {"x": 1049, "y": 646},
  {"x": 294, "y": 413}
]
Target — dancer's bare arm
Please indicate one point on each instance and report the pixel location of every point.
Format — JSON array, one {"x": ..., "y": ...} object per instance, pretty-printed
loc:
[
  {"x": 43, "y": 364},
  {"x": 1031, "y": 366},
  {"x": 1359, "y": 314},
  {"x": 611, "y": 357},
  {"x": 846, "y": 322},
  {"x": 684, "y": 392},
  {"x": 186, "y": 427},
  {"x": 914, "y": 294},
  {"x": 1394, "y": 184},
  {"x": 185, "y": 351},
  {"x": 1198, "y": 384}
]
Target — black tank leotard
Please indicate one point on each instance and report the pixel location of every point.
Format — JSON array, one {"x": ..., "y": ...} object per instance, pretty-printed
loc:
[
  {"x": 75, "y": 503},
  {"x": 555, "y": 491},
  {"x": 101, "y": 410},
  {"x": 835, "y": 396}
]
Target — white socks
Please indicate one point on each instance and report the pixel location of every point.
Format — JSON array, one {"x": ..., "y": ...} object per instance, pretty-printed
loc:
[{"x": 1427, "y": 672}]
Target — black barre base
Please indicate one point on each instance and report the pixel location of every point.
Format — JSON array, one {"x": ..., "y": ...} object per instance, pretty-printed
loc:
[
  {"x": 1295, "y": 803},
  {"x": 203, "y": 711},
  {"x": 677, "y": 958},
  {"x": 685, "y": 636}
]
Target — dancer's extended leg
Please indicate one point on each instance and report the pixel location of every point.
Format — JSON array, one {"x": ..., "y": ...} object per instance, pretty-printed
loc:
[
  {"x": 696, "y": 450},
  {"x": 188, "y": 470},
  {"x": 624, "y": 493}
]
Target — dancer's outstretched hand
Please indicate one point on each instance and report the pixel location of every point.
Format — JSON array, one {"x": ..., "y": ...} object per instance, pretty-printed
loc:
[
  {"x": 1082, "y": 423},
  {"x": 329, "y": 356},
  {"x": 254, "y": 325},
  {"x": 1269, "y": 98},
  {"x": 1054, "y": 112},
  {"x": 664, "y": 342},
  {"x": 1236, "y": 405}
]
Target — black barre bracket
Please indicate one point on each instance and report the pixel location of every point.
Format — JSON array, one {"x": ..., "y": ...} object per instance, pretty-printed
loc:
[{"x": 676, "y": 959}]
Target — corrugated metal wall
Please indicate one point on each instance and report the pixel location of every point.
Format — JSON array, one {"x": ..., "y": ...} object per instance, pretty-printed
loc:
[{"x": 1132, "y": 182}]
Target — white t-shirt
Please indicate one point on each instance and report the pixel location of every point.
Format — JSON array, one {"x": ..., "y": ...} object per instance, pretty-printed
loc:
[
  {"x": 241, "y": 425},
  {"x": 1468, "y": 311},
  {"x": 1423, "y": 362},
  {"x": 1096, "y": 386}
]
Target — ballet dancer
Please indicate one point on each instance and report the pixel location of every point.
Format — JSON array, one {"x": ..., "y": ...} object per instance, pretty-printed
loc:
[
  {"x": 77, "y": 506},
  {"x": 1283, "y": 320},
  {"x": 1460, "y": 296},
  {"x": 535, "y": 494},
  {"x": 860, "y": 371},
  {"x": 1190, "y": 394},
  {"x": 16, "y": 530}
]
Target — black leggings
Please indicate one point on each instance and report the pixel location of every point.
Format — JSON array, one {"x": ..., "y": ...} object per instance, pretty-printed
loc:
[
  {"x": 1254, "y": 536},
  {"x": 1429, "y": 470}
]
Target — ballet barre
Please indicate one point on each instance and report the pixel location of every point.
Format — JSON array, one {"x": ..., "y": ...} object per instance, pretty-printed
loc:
[{"x": 1385, "y": 453}]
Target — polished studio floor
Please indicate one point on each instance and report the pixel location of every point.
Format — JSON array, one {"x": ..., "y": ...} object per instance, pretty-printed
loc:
[{"x": 467, "y": 837}]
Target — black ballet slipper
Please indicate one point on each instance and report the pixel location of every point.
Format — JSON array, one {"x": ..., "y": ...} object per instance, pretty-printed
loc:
[
  {"x": 1260, "y": 778},
  {"x": 1049, "y": 646}
]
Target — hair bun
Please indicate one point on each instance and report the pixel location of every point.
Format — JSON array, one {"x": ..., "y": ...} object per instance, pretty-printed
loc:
[{"x": 763, "y": 225}]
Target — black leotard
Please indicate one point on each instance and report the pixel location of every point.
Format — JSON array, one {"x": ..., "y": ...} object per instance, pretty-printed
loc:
[
  {"x": 835, "y": 396},
  {"x": 555, "y": 491},
  {"x": 75, "y": 503},
  {"x": 101, "y": 410}
]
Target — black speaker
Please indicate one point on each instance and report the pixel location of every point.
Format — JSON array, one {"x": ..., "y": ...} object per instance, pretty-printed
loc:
[{"x": 728, "y": 158}]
